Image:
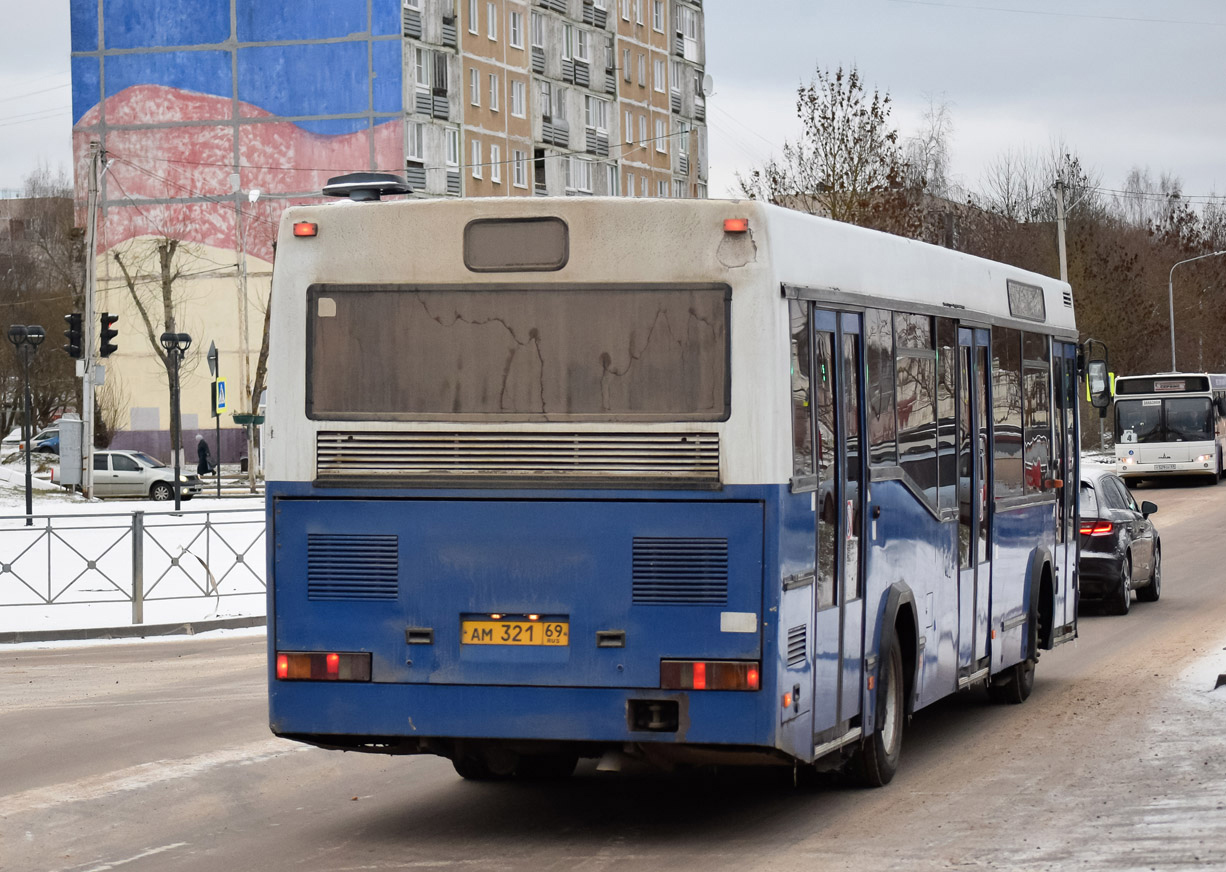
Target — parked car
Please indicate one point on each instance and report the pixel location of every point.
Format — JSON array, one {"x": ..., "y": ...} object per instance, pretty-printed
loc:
[
  {"x": 1120, "y": 548},
  {"x": 10, "y": 442},
  {"x": 46, "y": 441},
  {"x": 136, "y": 474}
]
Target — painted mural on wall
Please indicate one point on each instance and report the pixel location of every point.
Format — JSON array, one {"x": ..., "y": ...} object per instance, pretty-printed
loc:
[
  {"x": 197, "y": 103},
  {"x": 184, "y": 93}
]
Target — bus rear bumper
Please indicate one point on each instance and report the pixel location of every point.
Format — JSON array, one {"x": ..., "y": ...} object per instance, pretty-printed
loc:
[{"x": 400, "y": 718}]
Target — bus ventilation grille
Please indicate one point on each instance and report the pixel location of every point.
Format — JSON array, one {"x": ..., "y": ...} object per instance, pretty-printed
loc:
[
  {"x": 357, "y": 567},
  {"x": 680, "y": 571},
  {"x": 797, "y": 642},
  {"x": 449, "y": 457}
]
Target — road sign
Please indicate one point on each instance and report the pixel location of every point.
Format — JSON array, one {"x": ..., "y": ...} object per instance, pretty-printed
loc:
[
  {"x": 219, "y": 397},
  {"x": 212, "y": 358}
]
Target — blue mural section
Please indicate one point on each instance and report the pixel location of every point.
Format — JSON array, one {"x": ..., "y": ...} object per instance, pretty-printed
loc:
[
  {"x": 143, "y": 24},
  {"x": 294, "y": 59}
]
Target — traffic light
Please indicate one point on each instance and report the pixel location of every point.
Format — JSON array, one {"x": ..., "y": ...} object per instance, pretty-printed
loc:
[
  {"x": 106, "y": 334},
  {"x": 73, "y": 347}
]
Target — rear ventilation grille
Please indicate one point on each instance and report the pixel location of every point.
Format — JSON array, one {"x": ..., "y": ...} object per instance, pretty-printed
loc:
[
  {"x": 680, "y": 571},
  {"x": 452, "y": 458},
  {"x": 1068, "y": 298},
  {"x": 797, "y": 642},
  {"x": 358, "y": 567}
]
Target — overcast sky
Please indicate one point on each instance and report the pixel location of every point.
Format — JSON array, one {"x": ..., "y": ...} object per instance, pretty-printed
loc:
[{"x": 1123, "y": 82}]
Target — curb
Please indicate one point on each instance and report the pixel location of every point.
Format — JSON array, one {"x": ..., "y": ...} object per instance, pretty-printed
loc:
[{"x": 139, "y": 631}]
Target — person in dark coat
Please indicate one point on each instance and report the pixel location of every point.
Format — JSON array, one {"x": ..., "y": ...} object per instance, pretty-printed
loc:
[{"x": 203, "y": 466}]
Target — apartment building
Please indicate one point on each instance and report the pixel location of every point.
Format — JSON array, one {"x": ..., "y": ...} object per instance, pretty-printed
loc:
[{"x": 555, "y": 97}]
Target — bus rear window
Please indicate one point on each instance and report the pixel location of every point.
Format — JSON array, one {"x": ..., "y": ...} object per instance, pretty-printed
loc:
[{"x": 517, "y": 353}]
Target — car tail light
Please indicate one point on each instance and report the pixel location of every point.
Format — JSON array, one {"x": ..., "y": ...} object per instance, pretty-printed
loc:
[
  {"x": 709, "y": 675},
  {"x": 323, "y": 666},
  {"x": 1096, "y": 528}
]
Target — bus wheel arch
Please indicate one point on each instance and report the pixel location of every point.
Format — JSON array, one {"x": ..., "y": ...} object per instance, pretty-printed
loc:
[{"x": 876, "y": 758}]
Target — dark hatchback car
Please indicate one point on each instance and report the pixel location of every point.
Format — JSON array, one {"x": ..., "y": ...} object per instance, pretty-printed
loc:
[{"x": 1120, "y": 549}]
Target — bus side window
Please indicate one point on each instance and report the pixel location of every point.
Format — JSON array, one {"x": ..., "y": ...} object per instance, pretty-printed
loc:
[
  {"x": 802, "y": 405},
  {"x": 1006, "y": 387},
  {"x": 879, "y": 353}
]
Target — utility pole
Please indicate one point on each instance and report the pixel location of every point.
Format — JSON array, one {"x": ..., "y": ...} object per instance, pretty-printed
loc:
[
  {"x": 1059, "y": 186},
  {"x": 96, "y": 157}
]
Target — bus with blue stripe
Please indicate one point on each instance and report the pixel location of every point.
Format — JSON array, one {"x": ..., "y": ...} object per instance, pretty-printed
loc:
[{"x": 679, "y": 480}]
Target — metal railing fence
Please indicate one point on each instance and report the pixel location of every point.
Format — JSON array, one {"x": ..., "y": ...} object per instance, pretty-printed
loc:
[{"x": 136, "y": 558}]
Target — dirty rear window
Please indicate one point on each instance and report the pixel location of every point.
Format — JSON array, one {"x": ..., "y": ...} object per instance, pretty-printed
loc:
[{"x": 609, "y": 353}]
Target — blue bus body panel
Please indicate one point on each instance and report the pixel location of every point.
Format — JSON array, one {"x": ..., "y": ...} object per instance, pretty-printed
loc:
[{"x": 560, "y": 554}]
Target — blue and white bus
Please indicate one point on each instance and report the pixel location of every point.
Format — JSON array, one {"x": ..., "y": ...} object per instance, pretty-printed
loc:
[
  {"x": 1171, "y": 423},
  {"x": 693, "y": 481}
]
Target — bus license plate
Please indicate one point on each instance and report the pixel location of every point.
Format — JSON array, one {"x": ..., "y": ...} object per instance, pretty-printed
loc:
[
  {"x": 1164, "y": 466},
  {"x": 550, "y": 633}
]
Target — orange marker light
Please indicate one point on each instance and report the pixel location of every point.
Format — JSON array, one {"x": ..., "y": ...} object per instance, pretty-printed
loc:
[
  {"x": 871, "y": 682},
  {"x": 282, "y": 666},
  {"x": 306, "y": 228},
  {"x": 334, "y": 664},
  {"x": 736, "y": 225},
  {"x": 700, "y": 676},
  {"x": 751, "y": 678},
  {"x": 787, "y": 700}
]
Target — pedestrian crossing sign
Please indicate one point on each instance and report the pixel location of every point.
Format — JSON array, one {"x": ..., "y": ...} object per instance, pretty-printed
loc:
[{"x": 219, "y": 397}]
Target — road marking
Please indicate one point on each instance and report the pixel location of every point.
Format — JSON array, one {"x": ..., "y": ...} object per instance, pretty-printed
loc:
[
  {"x": 151, "y": 852},
  {"x": 142, "y": 776}
]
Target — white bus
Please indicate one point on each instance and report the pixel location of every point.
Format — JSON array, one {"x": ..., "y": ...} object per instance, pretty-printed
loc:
[
  {"x": 691, "y": 480},
  {"x": 1171, "y": 423}
]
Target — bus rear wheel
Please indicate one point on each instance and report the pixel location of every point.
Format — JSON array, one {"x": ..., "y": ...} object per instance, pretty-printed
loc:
[
  {"x": 1014, "y": 684},
  {"x": 876, "y": 760}
]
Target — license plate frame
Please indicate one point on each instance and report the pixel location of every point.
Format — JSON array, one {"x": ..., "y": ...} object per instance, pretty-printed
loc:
[
  {"x": 1165, "y": 467},
  {"x": 515, "y": 631}
]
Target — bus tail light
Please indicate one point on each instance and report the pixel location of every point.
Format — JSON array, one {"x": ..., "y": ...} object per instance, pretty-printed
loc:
[
  {"x": 1096, "y": 528},
  {"x": 323, "y": 666},
  {"x": 709, "y": 675},
  {"x": 736, "y": 225},
  {"x": 305, "y": 228}
]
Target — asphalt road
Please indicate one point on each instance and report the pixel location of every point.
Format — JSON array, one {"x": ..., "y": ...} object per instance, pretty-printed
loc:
[{"x": 157, "y": 756}]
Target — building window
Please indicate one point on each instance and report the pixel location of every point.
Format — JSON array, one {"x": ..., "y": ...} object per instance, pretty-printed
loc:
[
  {"x": 538, "y": 31},
  {"x": 629, "y": 127},
  {"x": 700, "y": 191},
  {"x": 642, "y": 69},
  {"x": 517, "y": 30},
  {"x": 611, "y": 180},
  {"x": 474, "y": 24},
  {"x": 661, "y": 137},
  {"x": 519, "y": 99},
  {"x": 580, "y": 174},
  {"x": 662, "y": 189},
  {"x": 474, "y": 86},
  {"x": 638, "y": 12},
  {"x": 678, "y": 188},
  {"x": 596, "y": 113},
  {"x": 626, "y": 64},
  {"x": 642, "y": 186},
  {"x": 568, "y": 41},
  {"x": 625, "y": 10},
  {"x": 476, "y": 161},
  {"x": 421, "y": 68},
  {"x": 412, "y": 4},
  {"x": 658, "y": 69},
  {"x": 493, "y": 92},
  {"x": 583, "y": 45},
  {"x": 413, "y": 138},
  {"x": 520, "y": 169},
  {"x": 496, "y": 164},
  {"x": 683, "y": 137},
  {"x": 491, "y": 16},
  {"x": 559, "y": 104},
  {"x": 643, "y": 132},
  {"x": 453, "y": 147},
  {"x": 657, "y": 15},
  {"x": 629, "y": 184}
]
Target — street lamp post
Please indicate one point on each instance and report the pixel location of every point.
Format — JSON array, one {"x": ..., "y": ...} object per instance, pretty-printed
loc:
[
  {"x": 176, "y": 344},
  {"x": 1170, "y": 291},
  {"x": 26, "y": 340}
]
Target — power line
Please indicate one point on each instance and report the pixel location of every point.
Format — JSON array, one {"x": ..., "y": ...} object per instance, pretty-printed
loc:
[{"x": 34, "y": 93}]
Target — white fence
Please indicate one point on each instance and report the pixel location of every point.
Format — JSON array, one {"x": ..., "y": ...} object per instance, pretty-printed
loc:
[{"x": 80, "y": 571}]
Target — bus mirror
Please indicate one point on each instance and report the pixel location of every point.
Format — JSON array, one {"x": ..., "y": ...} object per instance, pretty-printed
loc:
[{"x": 1099, "y": 384}]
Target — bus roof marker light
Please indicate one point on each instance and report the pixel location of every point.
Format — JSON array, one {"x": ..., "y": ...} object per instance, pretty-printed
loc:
[
  {"x": 736, "y": 225},
  {"x": 305, "y": 228}
]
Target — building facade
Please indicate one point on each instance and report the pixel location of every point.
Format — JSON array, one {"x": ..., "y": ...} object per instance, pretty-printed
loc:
[{"x": 212, "y": 116}]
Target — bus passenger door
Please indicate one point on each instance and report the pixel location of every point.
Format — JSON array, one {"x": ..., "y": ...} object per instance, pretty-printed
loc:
[
  {"x": 838, "y": 599},
  {"x": 974, "y": 485},
  {"x": 1064, "y": 384}
]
